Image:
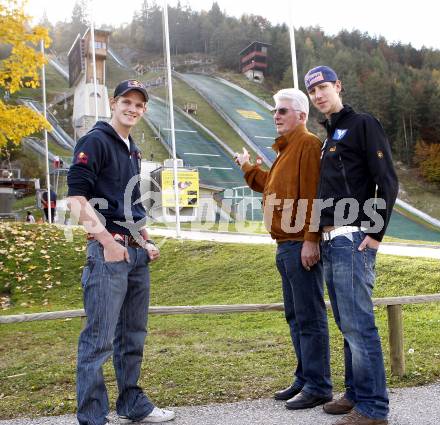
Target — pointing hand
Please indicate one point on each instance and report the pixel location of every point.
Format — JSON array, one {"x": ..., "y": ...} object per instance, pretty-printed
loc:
[{"x": 242, "y": 158}]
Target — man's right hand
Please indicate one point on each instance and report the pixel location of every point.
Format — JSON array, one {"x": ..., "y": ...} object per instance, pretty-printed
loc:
[
  {"x": 242, "y": 158},
  {"x": 114, "y": 251},
  {"x": 309, "y": 254}
]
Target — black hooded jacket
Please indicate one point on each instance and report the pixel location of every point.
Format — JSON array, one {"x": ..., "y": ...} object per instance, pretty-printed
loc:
[
  {"x": 102, "y": 169},
  {"x": 355, "y": 158}
]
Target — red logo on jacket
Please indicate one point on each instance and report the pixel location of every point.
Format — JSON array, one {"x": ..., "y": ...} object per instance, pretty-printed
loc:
[{"x": 82, "y": 158}]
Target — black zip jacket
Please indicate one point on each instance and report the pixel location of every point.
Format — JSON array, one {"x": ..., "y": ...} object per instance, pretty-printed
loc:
[
  {"x": 355, "y": 158},
  {"x": 102, "y": 168}
]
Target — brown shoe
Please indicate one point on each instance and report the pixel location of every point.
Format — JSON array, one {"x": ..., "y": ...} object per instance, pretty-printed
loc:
[
  {"x": 340, "y": 406},
  {"x": 355, "y": 418}
]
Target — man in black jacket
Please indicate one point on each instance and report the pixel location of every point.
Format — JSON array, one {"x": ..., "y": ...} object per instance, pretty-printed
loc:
[
  {"x": 357, "y": 190},
  {"x": 105, "y": 173}
]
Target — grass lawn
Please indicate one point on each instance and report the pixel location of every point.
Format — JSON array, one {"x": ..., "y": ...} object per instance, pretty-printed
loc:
[
  {"x": 190, "y": 359},
  {"x": 409, "y": 241},
  {"x": 257, "y": 89}
]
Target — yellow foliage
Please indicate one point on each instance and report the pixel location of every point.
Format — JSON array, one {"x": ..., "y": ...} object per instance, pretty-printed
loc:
[
  {"x": 17, "y": 122},
  {"x": 428, "y": 159},
  {"x": 19, "y": 69}
]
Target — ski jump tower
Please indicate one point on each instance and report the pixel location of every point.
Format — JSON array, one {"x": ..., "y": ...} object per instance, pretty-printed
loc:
[{"x": 81, "y": 78}]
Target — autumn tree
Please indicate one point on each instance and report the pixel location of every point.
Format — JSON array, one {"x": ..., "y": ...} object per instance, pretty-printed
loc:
[
  {"x": 20, "y": 62},
  {"x": 428, "y": 158}
]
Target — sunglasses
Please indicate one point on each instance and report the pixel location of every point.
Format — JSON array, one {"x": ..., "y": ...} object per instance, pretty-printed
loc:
[
  {"x": 280, "y": 111},
  {"x": 283, "y": 111}
]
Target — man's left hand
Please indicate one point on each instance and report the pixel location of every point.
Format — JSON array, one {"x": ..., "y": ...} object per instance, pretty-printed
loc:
[
  {"x": 309, "y": 254},
  {"x": 152, "y": 251},
  {"x": 370, "y": 243}
]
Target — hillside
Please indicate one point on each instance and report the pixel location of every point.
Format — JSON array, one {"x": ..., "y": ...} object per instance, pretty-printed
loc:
[
  {"x": 417, "y": 192},
  {"x": 413, "y": 188}
]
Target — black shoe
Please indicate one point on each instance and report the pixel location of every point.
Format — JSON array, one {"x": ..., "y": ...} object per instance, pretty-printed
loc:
[
  {"x": 306, "y": 401},
  {"x": 287, "y": 393}
]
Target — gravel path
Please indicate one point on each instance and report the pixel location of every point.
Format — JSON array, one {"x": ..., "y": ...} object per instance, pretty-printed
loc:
[{"x": 409, "y": 406}]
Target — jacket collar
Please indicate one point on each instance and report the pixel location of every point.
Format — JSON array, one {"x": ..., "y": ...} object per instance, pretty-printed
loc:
[
  {"x": 330, "y": 124},
  {"x": 110, "y": 131},
  {"x": 282, "y": 141}
]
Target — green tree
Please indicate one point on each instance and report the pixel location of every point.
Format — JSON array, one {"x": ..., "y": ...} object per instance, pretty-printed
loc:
[{"x": 65, "y": 33}]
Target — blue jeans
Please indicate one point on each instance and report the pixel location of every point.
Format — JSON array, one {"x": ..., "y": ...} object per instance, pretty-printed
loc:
[
  {"x": 116, "y": 298},
  {"x": 350, "y": 275},
  {"x": 305, "y": 312}
]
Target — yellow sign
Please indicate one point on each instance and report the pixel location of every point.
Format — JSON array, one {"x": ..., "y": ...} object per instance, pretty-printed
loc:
[
  {"x": 188, "y": 188},
  {"x": 252, "y": 115}
]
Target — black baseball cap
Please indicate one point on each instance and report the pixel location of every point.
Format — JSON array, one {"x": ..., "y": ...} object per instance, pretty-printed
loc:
[{"x": 129, "y": 85}]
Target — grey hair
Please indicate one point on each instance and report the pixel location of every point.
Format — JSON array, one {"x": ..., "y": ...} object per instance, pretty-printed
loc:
[{"x": 297, "y": 99}]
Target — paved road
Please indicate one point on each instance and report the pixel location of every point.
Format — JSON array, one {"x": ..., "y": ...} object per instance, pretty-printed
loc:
[
  {"x": 407, "y": 250},
  {"x": 409, "y": 406}
]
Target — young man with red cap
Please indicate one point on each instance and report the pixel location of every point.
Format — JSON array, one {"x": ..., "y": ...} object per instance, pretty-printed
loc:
[
  {"x": 105, "y": 174},
  {"x": 357, "y": 190}
]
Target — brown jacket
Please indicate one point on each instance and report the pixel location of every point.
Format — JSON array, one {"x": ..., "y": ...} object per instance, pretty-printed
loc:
[{"x": 294, "y": 176}]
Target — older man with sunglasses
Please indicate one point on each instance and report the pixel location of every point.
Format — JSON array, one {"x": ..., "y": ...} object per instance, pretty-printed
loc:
[{"x": 289, "y": 189}]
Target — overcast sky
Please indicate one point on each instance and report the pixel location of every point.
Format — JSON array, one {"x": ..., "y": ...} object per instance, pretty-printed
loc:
[{"x": 415, "y": 22}]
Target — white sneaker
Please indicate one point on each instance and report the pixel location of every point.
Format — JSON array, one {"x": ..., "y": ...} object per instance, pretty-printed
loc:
[{"x": 156, "y": 416}]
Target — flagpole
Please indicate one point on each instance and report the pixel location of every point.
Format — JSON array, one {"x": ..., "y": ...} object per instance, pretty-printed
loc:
[
  {"x": 293, "y": 48},
  {"x": 95, "y": 85},
  {"x": 171, "y": 106},
  {"x": 43, "y": 86}
]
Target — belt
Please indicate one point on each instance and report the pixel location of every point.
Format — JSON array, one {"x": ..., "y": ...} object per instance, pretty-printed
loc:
[
  {"x": 126, "y": 240},
  {"x": 343, "y": 230}
]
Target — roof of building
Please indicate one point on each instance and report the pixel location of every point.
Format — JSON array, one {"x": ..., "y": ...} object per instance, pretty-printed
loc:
[{"x": 254, "y": 42}]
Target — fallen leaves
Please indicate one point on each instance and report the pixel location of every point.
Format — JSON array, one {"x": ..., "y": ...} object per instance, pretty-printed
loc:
[
  {"x": 5, "y": 302},
  {"x": 33, "y": 262}
]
